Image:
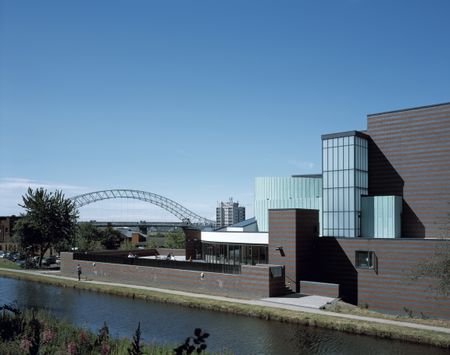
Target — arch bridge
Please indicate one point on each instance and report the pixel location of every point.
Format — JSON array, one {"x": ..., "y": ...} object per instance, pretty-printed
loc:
[{"x": 186, "y": 216}]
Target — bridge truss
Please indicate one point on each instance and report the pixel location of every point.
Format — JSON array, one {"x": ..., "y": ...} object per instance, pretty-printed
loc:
[{"x": 186, "y": 216}]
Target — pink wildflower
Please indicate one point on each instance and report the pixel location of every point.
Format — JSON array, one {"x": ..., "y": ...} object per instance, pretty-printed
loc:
[
  {"x": 82, "y": 336},
  {"x": 25, "y": 344},
  {"x": 105, "y": 349},
  {"x": 71, "y": 348},
  {"x": 47, "y": 336}
]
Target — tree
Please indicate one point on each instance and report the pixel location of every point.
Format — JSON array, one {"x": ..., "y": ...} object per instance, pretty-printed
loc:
[
  {"x": 50, "y": 221},
  {"x": 111, "y": 238},
  {"x": 175, "y": 240},
  {"x": 88, "y": 237}
]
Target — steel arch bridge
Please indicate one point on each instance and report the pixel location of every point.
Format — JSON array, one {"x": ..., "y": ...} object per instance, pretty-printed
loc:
[{"x": 186, "y": 216}]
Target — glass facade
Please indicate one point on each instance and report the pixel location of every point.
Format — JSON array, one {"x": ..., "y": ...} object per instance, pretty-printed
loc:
[
  {"x": 381, "y": 216},
  {"x": 345, "y": 180},
  {"x": 234, "y": 254},
  {"x": 285, "y": 192}
]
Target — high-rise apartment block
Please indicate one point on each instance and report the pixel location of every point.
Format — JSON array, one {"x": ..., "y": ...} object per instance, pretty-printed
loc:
[{"x": 228, "y": 213}]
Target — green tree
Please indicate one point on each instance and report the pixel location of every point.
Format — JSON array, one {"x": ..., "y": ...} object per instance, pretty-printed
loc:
[
  {"x": 111, "y": 238},
  {"x": 175, "y": 240},
  {"x": 88, "y": 237},
  {"x": 50, "y": 221}
]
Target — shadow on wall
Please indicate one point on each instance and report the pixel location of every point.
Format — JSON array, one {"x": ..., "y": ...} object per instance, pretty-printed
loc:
[
  {"x": 385, "y": 180},
  {"x": 334, "y": 266},
  {"x": 412, "y": 227}
]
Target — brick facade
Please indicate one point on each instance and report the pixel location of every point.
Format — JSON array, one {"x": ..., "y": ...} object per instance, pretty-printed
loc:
[
  {"x": 253, "y": 282},
  {"x": 293, "y": 231},
  {"x": 409, "y": 156},
  {"x": 389, "y": 287}
]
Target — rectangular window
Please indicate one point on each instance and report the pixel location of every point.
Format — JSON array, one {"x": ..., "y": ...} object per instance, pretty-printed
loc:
[
  {"x": 364, "y": 259},
  {"x": 325, "y": 160},
  {"x": 346, "y": 157},
  {"x": 340, "y": 158},
  {"x": 351, "y": 157},
  {"x": 335, "y": 158}
]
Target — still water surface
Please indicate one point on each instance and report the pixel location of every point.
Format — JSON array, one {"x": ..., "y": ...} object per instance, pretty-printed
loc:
[{"x": 166, "y": 323}]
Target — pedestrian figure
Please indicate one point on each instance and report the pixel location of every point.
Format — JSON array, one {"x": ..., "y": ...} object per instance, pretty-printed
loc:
[{"x": 79, "y": 272}]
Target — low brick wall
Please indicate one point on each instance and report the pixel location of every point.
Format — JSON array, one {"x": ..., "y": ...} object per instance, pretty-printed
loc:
[
  {"x": 253, "y": 282},
  {"x": 319, "y": 289}
]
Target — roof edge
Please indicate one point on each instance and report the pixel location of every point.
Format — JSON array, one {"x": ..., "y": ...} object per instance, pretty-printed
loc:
[{"x": 408, "y": 109}]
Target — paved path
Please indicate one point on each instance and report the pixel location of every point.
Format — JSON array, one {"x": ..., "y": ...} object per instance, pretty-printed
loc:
[{"x": 266, "y": 302}]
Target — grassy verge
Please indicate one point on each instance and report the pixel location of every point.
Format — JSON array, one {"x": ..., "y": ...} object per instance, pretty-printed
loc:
[
  {"x": 8, "y": 264},
  {"x": 345, "y": 308},
  {"x": 267, "y": 313}
]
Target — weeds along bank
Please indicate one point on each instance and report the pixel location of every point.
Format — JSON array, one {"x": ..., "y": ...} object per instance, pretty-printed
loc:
[
  {"x": 37, "y": 332},
  {"x": 315, "y": 320}
]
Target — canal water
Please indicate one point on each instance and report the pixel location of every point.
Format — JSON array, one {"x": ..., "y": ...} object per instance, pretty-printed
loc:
[{"x": 171, "y": 324}]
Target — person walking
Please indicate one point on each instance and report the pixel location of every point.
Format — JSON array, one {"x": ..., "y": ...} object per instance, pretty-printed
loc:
[{"x": 79, "y": 272}]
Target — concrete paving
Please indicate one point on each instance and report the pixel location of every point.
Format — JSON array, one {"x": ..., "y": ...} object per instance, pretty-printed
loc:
[
  {"x": 316, "y": 302},
  {"x": 266, "y": 302}
]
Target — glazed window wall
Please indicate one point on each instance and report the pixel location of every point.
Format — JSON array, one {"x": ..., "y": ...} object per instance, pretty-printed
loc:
[
  {"x": 234, "y": 254},
  {"x": 345, "y": 180}
]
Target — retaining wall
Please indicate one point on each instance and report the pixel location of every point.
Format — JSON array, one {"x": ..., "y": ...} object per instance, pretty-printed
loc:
[{"x": 253, "y": 282}]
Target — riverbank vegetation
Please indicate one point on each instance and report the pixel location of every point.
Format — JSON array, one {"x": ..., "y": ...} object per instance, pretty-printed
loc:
[
  {"x": 49, "y": 222},
  {"x": 36, "y": 332},
  {"x": 360, "y": 327}
]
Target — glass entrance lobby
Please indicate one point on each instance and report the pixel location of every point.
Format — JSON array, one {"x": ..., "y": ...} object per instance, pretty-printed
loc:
[{"x": 234, "y": 254}]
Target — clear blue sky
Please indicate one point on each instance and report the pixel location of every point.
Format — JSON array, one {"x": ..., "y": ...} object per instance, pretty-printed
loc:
[{"x": 193, "y": 99}]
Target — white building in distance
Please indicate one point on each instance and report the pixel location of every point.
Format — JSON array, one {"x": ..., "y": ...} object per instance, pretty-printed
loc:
[{"x": 228, "y": 213}]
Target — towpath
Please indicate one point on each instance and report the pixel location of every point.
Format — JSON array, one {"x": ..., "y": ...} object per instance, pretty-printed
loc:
[{"x": 277, "y": 303}]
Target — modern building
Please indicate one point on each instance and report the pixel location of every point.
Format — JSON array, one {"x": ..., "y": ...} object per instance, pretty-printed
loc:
[
  {"x": 228, "y": 213},
  {"x": 357, "y": 231},
  {"x": 297, "y": 191},
  {"x": 380, "y": 206}
]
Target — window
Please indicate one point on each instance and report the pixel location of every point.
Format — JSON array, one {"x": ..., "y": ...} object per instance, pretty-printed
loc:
[{"x": 364, "y": 259}]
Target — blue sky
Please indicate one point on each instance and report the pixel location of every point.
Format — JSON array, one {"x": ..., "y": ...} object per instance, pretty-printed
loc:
[{"x": 193, "y": 99}]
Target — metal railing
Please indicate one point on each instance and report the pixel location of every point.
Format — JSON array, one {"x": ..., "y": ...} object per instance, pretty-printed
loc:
[{"x": 160, "y": 263}]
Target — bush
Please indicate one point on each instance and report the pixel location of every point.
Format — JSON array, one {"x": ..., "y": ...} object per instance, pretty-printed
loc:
[{"x": 36, "y": 332}]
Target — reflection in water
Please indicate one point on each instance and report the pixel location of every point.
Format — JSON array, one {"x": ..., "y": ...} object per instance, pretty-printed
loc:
[{"x": 165, "y": 323}]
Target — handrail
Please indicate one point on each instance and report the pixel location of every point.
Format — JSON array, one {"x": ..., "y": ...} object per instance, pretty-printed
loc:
[{"x": 160, "y": 263}]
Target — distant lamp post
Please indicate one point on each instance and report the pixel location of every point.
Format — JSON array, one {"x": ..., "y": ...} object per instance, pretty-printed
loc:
[{"x": 280, "y": 249}]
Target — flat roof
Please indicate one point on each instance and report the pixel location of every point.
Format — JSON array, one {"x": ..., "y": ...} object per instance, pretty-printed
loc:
[
  {"x": 345, "y": 134},
  {"x": 408, "y": 109},
  {"x": 307, "y": 176},
  {"x": 245, "y": 223}
]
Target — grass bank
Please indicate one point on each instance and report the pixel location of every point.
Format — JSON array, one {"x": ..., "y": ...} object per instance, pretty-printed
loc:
[
  {"x": 359, "y": 327},
  {"x": 8, "y": 264},
  {"x": 345, "y": 308}
]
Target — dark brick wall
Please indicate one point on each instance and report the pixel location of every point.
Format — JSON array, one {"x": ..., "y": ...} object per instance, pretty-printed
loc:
[
  {"x": 390, "y": 287},
  {"x": 253, "y": 282},
  {"x": 294, "y": 230},
  {"x": 409, "y": 156},
  {"x": 193, "y": 243}
]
